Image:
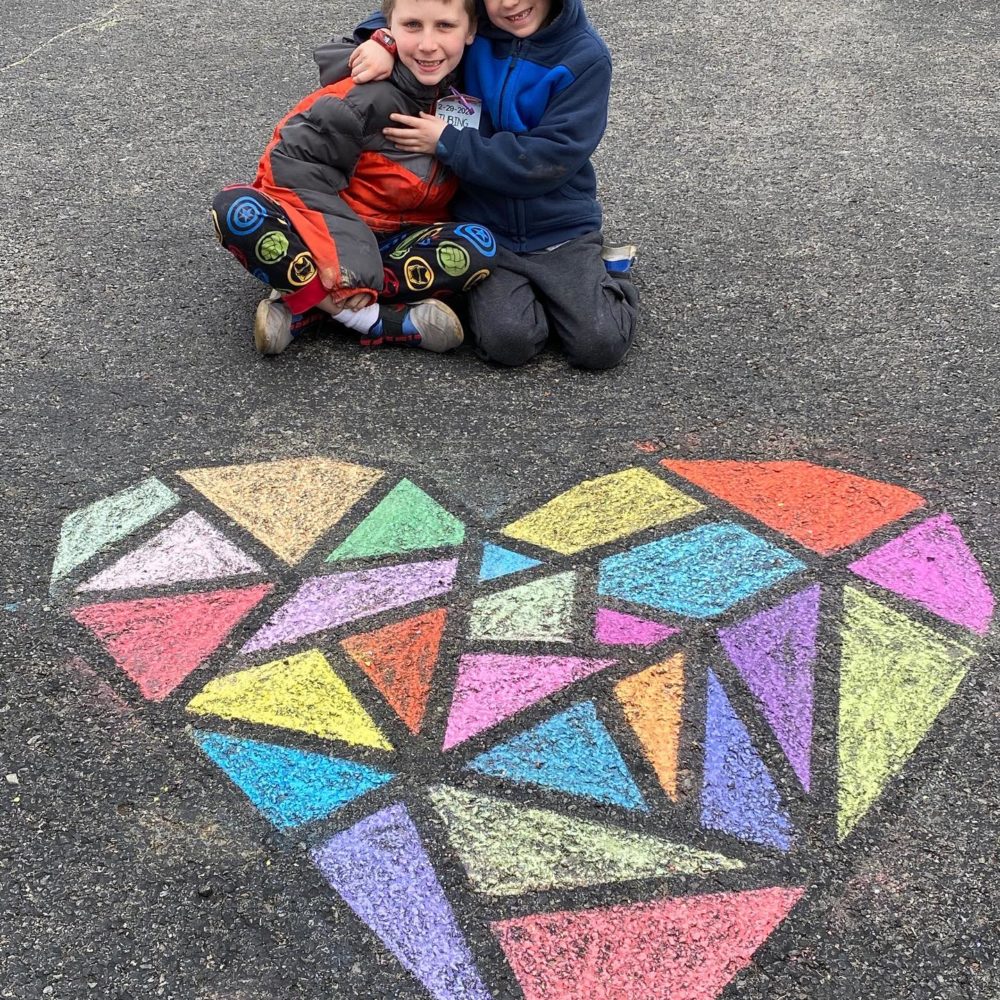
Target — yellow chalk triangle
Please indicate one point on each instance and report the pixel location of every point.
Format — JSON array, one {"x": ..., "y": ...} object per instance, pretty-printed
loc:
[
  {"x": 301, "y": 693},
  {"x": 289, "y": 504}
]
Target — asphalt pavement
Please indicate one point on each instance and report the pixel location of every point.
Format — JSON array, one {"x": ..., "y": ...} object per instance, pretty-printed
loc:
[{"x": 816, "y": 194}]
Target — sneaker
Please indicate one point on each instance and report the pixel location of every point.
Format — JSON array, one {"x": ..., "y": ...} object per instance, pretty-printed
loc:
[
  {"x": 275, "y": 326},
  {"x": 429, "y": 324},
  {"x": 619, "y": 260}
]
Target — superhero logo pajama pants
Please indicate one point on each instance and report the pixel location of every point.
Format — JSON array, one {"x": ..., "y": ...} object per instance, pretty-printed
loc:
[{"x": 422, "y": 262}]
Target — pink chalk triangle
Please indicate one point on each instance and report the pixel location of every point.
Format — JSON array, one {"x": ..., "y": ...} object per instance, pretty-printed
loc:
[
  {"x": 190, "y": 549},
  {"x": 494, "y": 686},
  {"x": 158, "y": 641},
  {"x": 612, "y": 628},
  {"x": 932, "y": 565}
]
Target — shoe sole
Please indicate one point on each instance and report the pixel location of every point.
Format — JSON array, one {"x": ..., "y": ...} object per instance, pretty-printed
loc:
[
  {"x": 439, "y": 328},
  {"x": 268, "y": 324}
]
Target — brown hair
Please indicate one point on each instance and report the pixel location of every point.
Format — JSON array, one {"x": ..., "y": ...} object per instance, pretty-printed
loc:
[{"x": 388, "y": 6}]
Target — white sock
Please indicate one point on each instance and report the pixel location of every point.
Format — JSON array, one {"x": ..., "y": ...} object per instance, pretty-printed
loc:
[{"x": 361, "y": 320}]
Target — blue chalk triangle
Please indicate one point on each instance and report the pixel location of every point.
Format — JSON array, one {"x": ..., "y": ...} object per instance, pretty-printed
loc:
[
  {"x": 501, "y": 562},
  {"x": 571, "y": 752},
  {"x": 738, "y": 796},
  {"x": 290, "y": 787}
]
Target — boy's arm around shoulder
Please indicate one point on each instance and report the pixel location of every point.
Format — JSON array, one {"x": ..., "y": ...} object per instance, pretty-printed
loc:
[
  {"x": 333, "y": 59},
  {"x": 534, "y": 163}
]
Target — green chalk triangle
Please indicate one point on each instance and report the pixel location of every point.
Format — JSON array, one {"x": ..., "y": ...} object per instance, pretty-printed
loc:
[
  {"x": 896, "y": 675},
  {"x": 509, "y": 849},
  {"x": 406, "y": 519},
  {"x": 541, "y": 611}
]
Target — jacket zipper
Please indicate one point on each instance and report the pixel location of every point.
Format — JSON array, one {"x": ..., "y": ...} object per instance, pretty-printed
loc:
[{"x": 514, "y": 54}]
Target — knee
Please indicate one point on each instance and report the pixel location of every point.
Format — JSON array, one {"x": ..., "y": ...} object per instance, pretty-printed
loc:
[
  {"x": 601, "y": 349},
  {"x": 506, "y": 344}
]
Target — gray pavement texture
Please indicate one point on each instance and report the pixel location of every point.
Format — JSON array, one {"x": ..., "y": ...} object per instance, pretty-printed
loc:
[{"x": 815, "y": 188}]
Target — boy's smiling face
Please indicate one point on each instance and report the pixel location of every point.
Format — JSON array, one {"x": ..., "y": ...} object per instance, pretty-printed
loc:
[
  {"x": 520, "y": 17},
  {"x": 431, "y": 36}
]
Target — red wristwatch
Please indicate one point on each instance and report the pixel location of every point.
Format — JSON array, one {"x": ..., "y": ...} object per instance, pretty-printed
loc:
[{"x": 383, "y": 38}]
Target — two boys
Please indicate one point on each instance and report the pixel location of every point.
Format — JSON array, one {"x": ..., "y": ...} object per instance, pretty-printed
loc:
[{"x": 338, "y": 221}]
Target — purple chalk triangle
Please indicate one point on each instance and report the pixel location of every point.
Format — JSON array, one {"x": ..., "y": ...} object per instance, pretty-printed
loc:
[
  {"x": 612, "y": 628},
  {"x": 382, "y": 871},
  {"x": 325, "y": 602},
  {"x": 190, "y": 549},
  {"x": 494, "y": 686},
  {"x": 775, "y": 652},
  {"x": 932, "y": 565}
]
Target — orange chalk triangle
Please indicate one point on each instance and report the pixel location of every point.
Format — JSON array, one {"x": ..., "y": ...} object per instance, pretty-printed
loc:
[
  {"x": 158, "y": 641},
  {"x": 687, "y": 948},
  {"x": 652, "y": 702},
  {"x": 823, "y": 509},
  {"x": 399, "y": 659}
]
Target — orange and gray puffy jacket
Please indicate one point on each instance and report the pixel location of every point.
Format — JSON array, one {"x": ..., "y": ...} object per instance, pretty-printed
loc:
[{"x": 341, "y": 182}]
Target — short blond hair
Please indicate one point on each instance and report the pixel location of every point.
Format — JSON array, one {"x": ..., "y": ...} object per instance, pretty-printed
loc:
[{"x": 388, "y": 6}]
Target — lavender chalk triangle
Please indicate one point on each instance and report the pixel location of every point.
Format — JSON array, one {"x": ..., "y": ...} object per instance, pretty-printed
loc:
[
  {"x": 189, "y": 549},
  {"x": 738, "y": 796},
  {"x": 382, "y": 871},
  {"x": 612, "y": 628},
  {"x": 775, "y": 652},
  {"x": 932, "y": 565},
  {"x": 325, "y": 602}
]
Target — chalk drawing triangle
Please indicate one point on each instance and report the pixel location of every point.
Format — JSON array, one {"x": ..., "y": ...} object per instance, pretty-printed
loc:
[
  {"x": 601, "y": 510},
  {"x": 932, "y": 565},
  {"x": 509, "y": 849},
  {"x": 381, "y": 870},
  {"x": 158, "y": 641},
  {"x": 686, "y": 948},
  {"x": 653, "y": 701},
  {"x": 325, "y": 602},
  {"x": 301, "y": 693},
  {"x": 399, "y": 659},
  {"x": 571, "y": 752},
  {"x": 896, "y": 676},
  {"x": 189, "y": 549},
  {"x": 613, "y": 628},
  {"x": 823, "y": 509},
  {"x": 93, "y": 528},
  {"x": 540, "y": 611},
  {"x": 494, "y": 686},
  {"x": 498, "y": 561},
  {"x": 288, "y": 505},
  {"x": 775, "y": 652},
  {"x": 290, "y": 787},
  {"x": 406, "y": 520},
  {"x": 738, "y": 796}
]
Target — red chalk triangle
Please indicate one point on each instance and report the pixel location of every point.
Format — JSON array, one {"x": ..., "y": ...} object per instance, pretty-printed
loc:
[
  {"x": 158, "y": 641},
  {"x": 687, "y": 948},
  {"x": 400, "y": 661},
  {"x": 822, "y": 509}
]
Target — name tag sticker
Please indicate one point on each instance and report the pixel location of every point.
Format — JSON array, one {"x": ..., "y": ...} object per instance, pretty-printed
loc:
[{"x": 461, "y": 112}]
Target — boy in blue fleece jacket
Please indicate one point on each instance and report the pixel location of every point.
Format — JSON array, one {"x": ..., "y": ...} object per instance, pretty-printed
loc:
[{"x": 543, "y": 75}]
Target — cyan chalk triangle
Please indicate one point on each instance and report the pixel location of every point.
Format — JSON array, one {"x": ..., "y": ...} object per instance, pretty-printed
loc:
[
  {"x": 571, "y": 752},
  {"x": 290, "y": 787},
  {"x": 498, "y": 561},
  {"x": 738, "y": 796}
]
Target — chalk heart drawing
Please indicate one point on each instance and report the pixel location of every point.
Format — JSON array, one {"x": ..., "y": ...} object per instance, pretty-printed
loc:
[{"x": 584, "y": 752}]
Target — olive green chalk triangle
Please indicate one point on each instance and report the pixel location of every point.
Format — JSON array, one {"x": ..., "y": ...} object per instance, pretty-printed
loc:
[
  {"x": 540, "y": 611},
  {"x": 509, "y": 849},
  {"x": 405, "y": 520}
]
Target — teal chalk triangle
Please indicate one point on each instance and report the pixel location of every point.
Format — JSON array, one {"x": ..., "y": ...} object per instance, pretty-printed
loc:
[
  {"x": 571, "y": 752},
  {"x": 498, "y": 561},
  {"x": 405, "y": 520},
  {"x": 290, "y": 787}
]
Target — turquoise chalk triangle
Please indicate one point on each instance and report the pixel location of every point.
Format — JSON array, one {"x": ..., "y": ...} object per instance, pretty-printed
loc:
[
  {"x": 498, "y": 561},
  {"x": 290, "y": 787},
  {"x": 571, "y": 752},
  {"x": 407, "y": 519}
]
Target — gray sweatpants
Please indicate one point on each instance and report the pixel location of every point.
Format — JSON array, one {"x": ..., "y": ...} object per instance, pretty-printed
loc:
[{"x": 566, "y": 293}]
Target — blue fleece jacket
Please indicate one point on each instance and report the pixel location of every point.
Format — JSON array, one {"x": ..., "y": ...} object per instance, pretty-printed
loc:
[{"x": 526, "y": 173}]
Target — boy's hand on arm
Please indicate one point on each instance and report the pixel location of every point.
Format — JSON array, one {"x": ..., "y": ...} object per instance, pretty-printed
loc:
[
  {"x": 418, "y": 135},
  {"x": 370, "y": 62}
]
